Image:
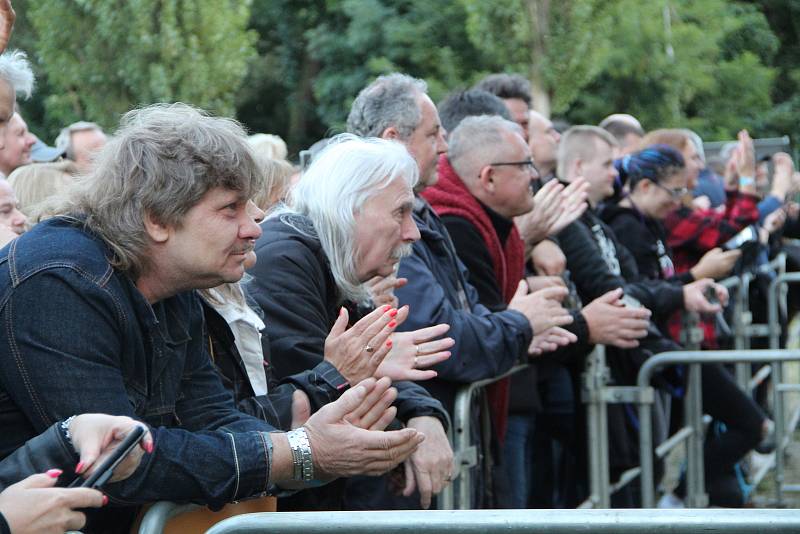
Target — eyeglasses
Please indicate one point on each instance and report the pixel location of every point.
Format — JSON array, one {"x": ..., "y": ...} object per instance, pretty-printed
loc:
[
  {"x": 526, "y": 165},
  {"x": 676, "y": 194}
]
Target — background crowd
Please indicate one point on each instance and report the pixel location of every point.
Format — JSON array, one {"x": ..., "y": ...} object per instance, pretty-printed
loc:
[{"x": 301, "y": 329}]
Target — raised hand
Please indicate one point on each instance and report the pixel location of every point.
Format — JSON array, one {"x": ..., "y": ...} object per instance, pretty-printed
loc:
[
  {"x": 542, "y": 308},
  {"x": 357, "y": 352},
  {"x": 573, "y": 205},
  {"x": 412, "y": 353}
]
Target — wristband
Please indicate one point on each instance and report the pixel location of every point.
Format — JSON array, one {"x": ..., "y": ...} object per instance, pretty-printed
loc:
[
  {"x": 744, "y": 181},
  {"x": 302, "y": 459}
]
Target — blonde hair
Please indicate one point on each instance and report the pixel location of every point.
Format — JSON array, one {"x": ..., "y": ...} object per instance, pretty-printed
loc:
[
  {"x": 39, "y": 186},
  {"x": 277, "y": 174},
  {"x": 268, "y": 145}
]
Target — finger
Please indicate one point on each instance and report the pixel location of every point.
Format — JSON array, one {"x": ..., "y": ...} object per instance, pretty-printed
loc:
[
  {"x": 82, "y": 498},
  {"x": 400, "y": 282},
  {"x": 561, "y": 320},
  {"x": 611, "y": 296},
  {"x": 379, "y": 406},
  {"x": 552, "y": 293},
  {"x": 402, "y": 440},
  {"x": 402, "y": 314},
  {"x": 375, "y": 329},
  {"x": 411, "y": 485},
  {"x": 369, "y": 320},
  {"x": 428, "y": 360},
  {"x": 40, "y": 480},
  {"x": 341, "y": 323},
  {"x": 425, "y": 487},
  {"x": 522, "y": 289},
  {"x": 348, "y": 402},
  {"x": 431, "y": 332},
  {"x": 376, "y": 393},
  {"x": 74, "y": 521},
  {"x": 388, "y": 416}
]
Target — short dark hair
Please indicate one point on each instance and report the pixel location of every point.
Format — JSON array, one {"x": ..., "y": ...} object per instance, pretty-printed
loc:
[
  {"x": 462, "y": 104},
  {"x": 507, "y": 86}
]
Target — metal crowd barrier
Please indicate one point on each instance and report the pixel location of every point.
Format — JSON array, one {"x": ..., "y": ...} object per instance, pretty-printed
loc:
[
  {"x": 465, "y": 452},
  {"x": 516, "y": 521},
  {"x": 696, "y": 496}
]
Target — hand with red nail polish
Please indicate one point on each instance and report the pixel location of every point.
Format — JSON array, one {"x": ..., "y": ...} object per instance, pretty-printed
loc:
[
  {"x": 95, "y": 436},
  {"x": 356, "y": 352},
  {"x": 34, "y": 506},
  {"x": 412, "y": 353}
]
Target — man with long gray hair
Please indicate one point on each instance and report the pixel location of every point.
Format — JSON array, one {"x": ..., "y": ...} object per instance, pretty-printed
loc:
[
  {"x": 350, "y": 220},
  {"x": 165, "y": 211}
]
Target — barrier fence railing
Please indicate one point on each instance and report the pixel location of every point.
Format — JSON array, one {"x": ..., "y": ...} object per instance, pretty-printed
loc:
[
  {"x": 694, "y": 359},
  {"x": 597, "y": 394},
  {"x": 631, "y": 521}
]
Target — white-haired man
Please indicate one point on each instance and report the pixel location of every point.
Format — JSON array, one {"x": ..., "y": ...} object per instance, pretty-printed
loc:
[
  {"x": 350, "y": 220},
  {"x": 164, "y": 212}
]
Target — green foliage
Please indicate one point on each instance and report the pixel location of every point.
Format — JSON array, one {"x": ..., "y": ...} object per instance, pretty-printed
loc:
[
  {"x": 292, "y": 67},
  {"x": 104, "y": 57}
]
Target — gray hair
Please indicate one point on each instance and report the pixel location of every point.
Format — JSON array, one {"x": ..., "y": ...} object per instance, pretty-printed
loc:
[
  {"x": 348, "y": 172},
  {"x": 64, "y": 139},
  {"x": 16, "y": 70},
  {"x": 390, "y": 100},
  {"x": 477, "y": 141},
  {"x": 578, "y": 142},
  {"x": 160, "y": 163}
]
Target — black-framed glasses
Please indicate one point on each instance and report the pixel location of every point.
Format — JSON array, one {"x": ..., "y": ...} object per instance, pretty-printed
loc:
[
  {"x": 527, "y": 164},
  {"x": 676, "y": 194}
]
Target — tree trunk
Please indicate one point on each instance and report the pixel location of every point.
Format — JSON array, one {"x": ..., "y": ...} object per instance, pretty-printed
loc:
[{"x": 539, "y": 18}]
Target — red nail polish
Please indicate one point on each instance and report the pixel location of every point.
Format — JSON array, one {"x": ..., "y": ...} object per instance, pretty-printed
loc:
[
  {"x": 79, "y": 468},
  {"x": 392, "y": 324},
  {"x": 105, "y": 500},
  {"x": 53, "y": 473},
  {"x": 149, "y": 448},
  {"x": 341, "y": 311},
  {"x": 392, "y": 313},
  {"x": 386, "y": 308},
  {"x": 389, "y": 343}
]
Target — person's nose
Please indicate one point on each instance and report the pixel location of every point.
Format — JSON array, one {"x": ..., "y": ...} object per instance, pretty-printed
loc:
[
  {"x": 441, "y": 141},
  {"x": 410, "y": 231}
]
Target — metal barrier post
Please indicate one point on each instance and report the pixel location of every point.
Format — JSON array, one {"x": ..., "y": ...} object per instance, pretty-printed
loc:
[
  {"x": 594, "y": 380},
  {"x": 696, "y": 496},
  {"x": 465, "y": 454}
]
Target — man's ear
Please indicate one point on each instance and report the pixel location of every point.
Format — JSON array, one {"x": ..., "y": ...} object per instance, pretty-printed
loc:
[
  {"x": 486, "y": 178},
  {"x": 156, "y": 230},
  {"x": 390, "y": 133}
]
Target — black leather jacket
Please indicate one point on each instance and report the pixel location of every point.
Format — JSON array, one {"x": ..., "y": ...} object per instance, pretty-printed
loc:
[{"x": 46, "y": 451}]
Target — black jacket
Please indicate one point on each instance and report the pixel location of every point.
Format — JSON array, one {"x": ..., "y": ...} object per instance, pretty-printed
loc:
[
  {"x": 293, "y": 285},
  {"x": 599, "y": 263},
  {"x": 46, "y": 451},
  {"x": 646, "y": 240}
]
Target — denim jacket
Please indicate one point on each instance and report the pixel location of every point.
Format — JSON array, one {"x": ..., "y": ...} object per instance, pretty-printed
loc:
[{"x": 76, "y": 336}]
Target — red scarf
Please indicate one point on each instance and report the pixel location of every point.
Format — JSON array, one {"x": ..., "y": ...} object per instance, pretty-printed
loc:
[{"x": 451, "y": 197}]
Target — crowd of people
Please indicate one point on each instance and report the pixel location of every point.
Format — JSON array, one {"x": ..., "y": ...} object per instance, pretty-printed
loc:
[{"x": 302, "y": 332}]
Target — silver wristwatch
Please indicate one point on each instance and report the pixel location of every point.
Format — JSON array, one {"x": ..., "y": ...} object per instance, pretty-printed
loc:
[{"x": 302, "y": 460}]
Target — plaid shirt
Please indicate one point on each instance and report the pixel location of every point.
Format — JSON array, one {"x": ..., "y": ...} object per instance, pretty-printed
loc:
[{"x": 692, "y": 233}]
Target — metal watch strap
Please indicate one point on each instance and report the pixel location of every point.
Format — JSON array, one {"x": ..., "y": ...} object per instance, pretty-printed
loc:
[{"x": 302, "y": 460}]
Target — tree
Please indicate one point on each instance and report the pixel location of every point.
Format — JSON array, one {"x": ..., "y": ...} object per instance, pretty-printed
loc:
[
  {"x": 559, "y": 46},
  {"x": 103, "y": 58}
]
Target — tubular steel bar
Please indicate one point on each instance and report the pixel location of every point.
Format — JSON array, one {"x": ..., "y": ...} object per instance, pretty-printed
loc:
[
  {"x": 467, "y": 454},
  {"x": 764, "y": 521},
  {"x": 690, "y": 357},
  {"x": 777, "y": 285},
  {"x": 156, "y": 517}
]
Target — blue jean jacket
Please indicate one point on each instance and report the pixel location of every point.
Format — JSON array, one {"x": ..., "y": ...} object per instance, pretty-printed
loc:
[{"x": 76, "y": 336}]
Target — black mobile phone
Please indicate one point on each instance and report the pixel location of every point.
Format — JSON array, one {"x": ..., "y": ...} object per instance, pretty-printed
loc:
[{"x": 103, "y": 472}]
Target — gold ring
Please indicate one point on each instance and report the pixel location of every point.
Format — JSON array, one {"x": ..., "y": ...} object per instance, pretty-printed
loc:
[{"x": 417, "y": 350}]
